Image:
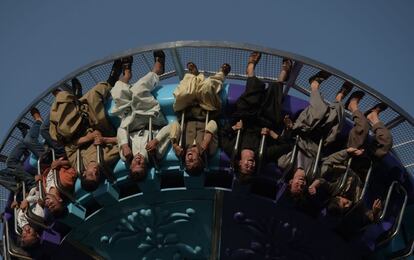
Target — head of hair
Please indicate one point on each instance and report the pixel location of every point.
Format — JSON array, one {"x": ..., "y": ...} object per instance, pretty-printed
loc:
[
  {"x": 138, "y": 175},
  {"x": 89, "y": 185},
  {"x": 30, "y": 242},
  {"x": 334, "y": 208}
]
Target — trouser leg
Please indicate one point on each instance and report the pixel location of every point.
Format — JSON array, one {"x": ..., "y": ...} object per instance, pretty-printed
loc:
[
  {"x": 249, "y": 103},
  {"x": 270, "y": 113},
  {"x": 44, "y": 132},
  {"x": 208, "y": 93},
  {"x": 186, "y": 92},
  {"x": 383, "y": 140},
  {"x": 31, "y": 141},
  {"x": 13, "y": 160},
  {"x": 96, "y": 98},
  {"x": 317, "y": 107},
  {"x": 358, "y": 134}
]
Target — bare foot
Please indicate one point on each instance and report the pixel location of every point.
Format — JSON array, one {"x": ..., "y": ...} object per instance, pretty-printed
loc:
[
  {"x": 192, "y": 68},
  {"x": 373, "y": 113},
  {"x": 36, "y": 114},
  {"x": 315, "y": 85},
  {"x": 284, "y": 73},
  {"x": 159, "y": 62},
  {"x": 344, "y": 91},
  {"x": 225, "y": 68},
  {"x": 254, "y": 58},
  {"x": 353, "y": 101},
  {"x": 353, "y": 104},
  {"x": 373, "y": 117},
  {"x": 318, "y": 78},
  {"x": 127, "y": 66}
]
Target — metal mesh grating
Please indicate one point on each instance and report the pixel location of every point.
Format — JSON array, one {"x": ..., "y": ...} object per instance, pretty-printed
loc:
[
  {"x": 209, "y": 56},
  {"x": 402, "y": 133}
]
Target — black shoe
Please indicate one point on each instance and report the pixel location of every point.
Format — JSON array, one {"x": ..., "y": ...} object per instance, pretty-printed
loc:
[
  {"x": 76, "y": 88},
  {"x": 319, "y": 77},
  {"x": 127, "y": 62},
  {"x": 23, "y": 128},
  {"x": 115, "y": 72}
]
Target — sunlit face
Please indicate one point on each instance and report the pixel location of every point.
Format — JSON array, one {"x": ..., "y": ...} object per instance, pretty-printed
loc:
[
  {"x": 53, "y": 203},
  {"x": 298, "y": 182},
  {"x": 92, "y": 172},
  {"x": 192, "y": 158},
  {"x": 344, "y": 203},
  {"x": 247, "y": 163},
  {"x": 138, "y": 166},
  {"x": 29, "y": 235}
]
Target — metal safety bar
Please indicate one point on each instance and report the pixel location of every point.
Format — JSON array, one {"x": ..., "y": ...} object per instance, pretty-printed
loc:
[
  {"x": 291, "y": 161},
  {"x": 317, "y": 158},
  {"x": 205, "y": 153},
  {"x": 39, "y": 183},
  {"x": 403, "y": 253},
  {"x": 31, "y": 217},
  {"x": 180, "y": 143},
  {"x": 344, "y": 178},
  {"x": 11, "y": 247},
  {"x": 397, "y": 224},
  {"x": 261, "y": 152},
  {"x": 16, "y": 227},
  {"x": 235, "y": 149},
  {"x": 6, "y": 255},
  {"x": 58, "y": 183},
  {"x": 99, "y": 154},
  {"x": 152, "y": 157},
  {"x": 78, "y": 162},
  {"x": 367, "y": 179},
  {"x": 387, "y": 200}
]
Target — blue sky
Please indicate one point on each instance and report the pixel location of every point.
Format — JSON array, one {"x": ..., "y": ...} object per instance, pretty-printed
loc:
[{"x": 42, "y": 41}]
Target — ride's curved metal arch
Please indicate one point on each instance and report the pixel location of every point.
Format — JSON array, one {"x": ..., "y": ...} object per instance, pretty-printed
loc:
[{"x": 209, "y": 55}]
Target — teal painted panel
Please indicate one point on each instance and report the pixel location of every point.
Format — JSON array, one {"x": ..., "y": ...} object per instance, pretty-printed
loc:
[{"x": 162, "y": 225}]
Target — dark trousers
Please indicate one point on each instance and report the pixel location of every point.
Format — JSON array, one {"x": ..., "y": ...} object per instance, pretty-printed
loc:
[
  {"x": 44, "y": 131},
  {"x": 15, "y": 170},
  {"x": 260, "y": 106}
]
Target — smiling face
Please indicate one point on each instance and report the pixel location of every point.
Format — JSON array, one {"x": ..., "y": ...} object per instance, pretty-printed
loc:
[
  {"x": 29, "y": 236},
  {"x": 54, "y": 204},
  {"x": 193, "y": 161},
  {"x": 192, "y": 158},
  {"x": 298, "y": 182},
  {"x": 343, "y": 202},
  {"x": 247, "y": 163},
  {"x": 91, "y": 172},
  {"x": 138, "y": 167}
]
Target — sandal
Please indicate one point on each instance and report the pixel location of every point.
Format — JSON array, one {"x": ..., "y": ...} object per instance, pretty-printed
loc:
[
  {"x": 226, "y": 68},
  {"x": 76, "y": 88},
  {"x": 380, "y": 106},
  {"x": 159, "y": 56},
  {"x": 127, "y": 62},
  {"x": 319, "y": 77},
  {"x": 357, "y": 95},
  {"x": 192, "y": 68},
  {"x": 116, "y": 68},
  {"x": 254, "y": 57}
]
